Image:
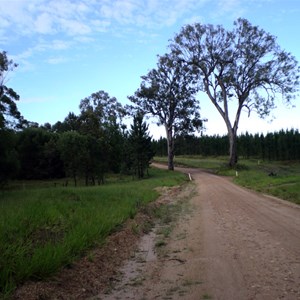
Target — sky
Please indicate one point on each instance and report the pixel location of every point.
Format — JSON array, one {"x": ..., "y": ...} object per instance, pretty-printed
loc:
[{"x": 68, "y": 49}]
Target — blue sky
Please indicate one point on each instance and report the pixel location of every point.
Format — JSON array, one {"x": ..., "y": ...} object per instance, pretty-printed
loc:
[{"x": 68, "y": 49}]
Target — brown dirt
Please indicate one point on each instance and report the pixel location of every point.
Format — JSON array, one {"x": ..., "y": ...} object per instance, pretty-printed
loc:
[{"x": 232, "y": 244}]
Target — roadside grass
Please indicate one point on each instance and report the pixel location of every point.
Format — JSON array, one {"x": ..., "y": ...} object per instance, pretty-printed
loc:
[
  {"x": 195, "y": 161},
  {"x": 280, "y": 179},
  {"x": 44, "y": 228}
]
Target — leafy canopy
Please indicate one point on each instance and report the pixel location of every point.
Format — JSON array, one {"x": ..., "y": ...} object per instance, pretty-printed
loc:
[
  {"x": 245, "y": 64},
  {"x": 168, "y": 93},
  {"x": 9, "y": 113}
]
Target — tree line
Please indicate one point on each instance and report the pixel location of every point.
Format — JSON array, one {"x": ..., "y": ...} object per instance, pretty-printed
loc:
[
  {"x": 88, "y": 145},
  {"x": 282, "y": 145},
  {"x": 243, "y": 68}
]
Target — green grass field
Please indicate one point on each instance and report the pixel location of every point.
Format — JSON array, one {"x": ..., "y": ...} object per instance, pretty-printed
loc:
[
  {"x": 44, "y": 227},
  {"x": 285, "y": 183},
  {"x": 252, "y": 173}
]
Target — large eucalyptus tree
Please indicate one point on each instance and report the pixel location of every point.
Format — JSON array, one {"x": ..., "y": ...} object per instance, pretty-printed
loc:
[
  {"x": 244, "y": 66},
  {"x": 168, "y": 94}
]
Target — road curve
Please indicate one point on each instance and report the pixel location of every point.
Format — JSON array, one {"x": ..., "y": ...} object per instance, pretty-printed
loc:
[
  {"x": 234, "y": 244},
  {"x": 248, "y": 243}
]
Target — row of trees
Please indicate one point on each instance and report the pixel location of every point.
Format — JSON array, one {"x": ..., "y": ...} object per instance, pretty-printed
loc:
[
  {"x": 88, "y": 145},
  {"x": 244, "y": 66},
  {"x": 47, "y": 152},
  {"x": 282, "y": 145}
]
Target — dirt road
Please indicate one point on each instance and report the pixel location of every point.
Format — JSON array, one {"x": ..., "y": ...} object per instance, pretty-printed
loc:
[{"x": 233, "y": 244}]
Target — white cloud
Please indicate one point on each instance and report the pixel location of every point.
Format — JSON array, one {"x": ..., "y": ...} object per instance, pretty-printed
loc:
[
  {"x": 100, "y": 25},
  {"x": 45, "y": 17},
  {"x": 74, "y": 27},
  {"x": 84, "y": 39},
  {"x": 150, "y": 13},
  {"x": 24, "y": 59},
  {"x": 3, "y": 38},
  {"x": 15, "y": 15},
  {"x": 234, "y": 8},
  {"x": 60, "y": 24},
  {"x": 59, "y": 45},
  {"x": 62, "y": 8},
  {"x": 121, "y": 11},
  {"x": 4, "y": 23},
  {"x": 194, "y": 19},
  {"x": 44, "y": 24},
  {"x": 56, "y": 60},
  {"x": 83, "y": 17}
]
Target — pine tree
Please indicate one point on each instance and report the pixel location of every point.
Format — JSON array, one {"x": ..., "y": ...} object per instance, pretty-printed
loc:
[{"x": 140, "y": 146}]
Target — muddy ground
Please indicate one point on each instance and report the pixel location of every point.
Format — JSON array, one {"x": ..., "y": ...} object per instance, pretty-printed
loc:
[{"x": 226, "y": 242}]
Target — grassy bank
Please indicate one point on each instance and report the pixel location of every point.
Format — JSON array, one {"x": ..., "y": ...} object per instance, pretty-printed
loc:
[
  {"x": 280, "y": 179},
  {"x": 43, "y": 229}
]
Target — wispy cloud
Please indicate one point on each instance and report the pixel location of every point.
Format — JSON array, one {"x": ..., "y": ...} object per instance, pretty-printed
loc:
[
  {"x": 230, "y": 8},
  {"x": 44, "y": 24},
  {"x": 29, "y": 17},
  {"x": 56, "y": 60},
  {"x": 150, "y": 13},
  {"x": 57, "y": 25},
  {"x": 55, "y": 46}
]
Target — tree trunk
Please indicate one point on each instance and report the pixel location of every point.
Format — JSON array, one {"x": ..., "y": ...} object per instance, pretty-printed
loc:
[
  {"x": 170, "y": 142},
  {"x": 232, "y": 148}
]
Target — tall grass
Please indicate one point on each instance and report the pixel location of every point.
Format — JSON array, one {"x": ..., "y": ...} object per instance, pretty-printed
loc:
[
  {"x": 274, "y": 178},
  {"x": 43, "y": 229}
]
